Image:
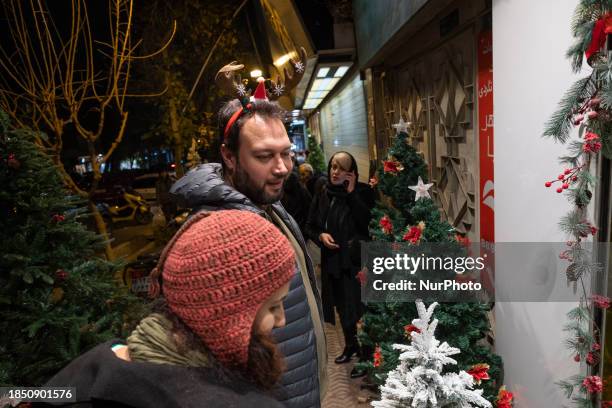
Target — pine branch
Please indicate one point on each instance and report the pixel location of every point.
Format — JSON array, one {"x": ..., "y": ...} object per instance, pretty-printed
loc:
[
  {"x": 567, "y": 387},
  {"x": 572, "y": 161},
  {"x": 583, "y": 31},
  {"x": 606, "y": 95},
  {"x": 560, "y": 123},
  {"x": 587, "y": 178},
  {"x": 569, "y": 222},
  {"x": 583, "y": 402},
  {"x": 579, "y": 313},
  {"x": 583, "y": 13}
]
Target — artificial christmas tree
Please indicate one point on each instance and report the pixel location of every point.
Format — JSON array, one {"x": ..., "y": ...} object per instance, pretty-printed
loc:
[
  {"x": 57, "y": 297},
  {"x": 401, "y": 218},
  {"x": 315, "y": 155},
  {"x": 418, "y": 380}
]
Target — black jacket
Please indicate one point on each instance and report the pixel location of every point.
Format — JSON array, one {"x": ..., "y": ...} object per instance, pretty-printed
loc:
[
  {"x": 296, "y": 200},
  {"x": 316, "y": 183},
  {"x": 103, "y": 380},
  {"x": 347, "y": 221},
  {"x": 204, "y": 188},
  {"x": 361, "y": 201}
]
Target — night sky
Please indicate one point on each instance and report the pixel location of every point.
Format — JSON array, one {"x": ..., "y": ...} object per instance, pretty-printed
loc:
[{"x": 314, "y": 13}]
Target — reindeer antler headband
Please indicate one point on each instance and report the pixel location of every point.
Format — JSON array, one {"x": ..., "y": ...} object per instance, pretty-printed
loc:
[{"x": 228, "y": 79}]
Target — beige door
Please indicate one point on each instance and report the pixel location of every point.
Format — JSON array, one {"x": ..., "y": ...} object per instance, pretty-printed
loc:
[
  {"x": 435, "y": 92},
  {"x": 344, "y": 127}
]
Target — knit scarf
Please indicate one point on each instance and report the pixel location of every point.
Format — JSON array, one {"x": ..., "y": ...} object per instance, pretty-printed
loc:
[
  {"x": 336, "y": 190},
  {"x": 152, "y": 342}
]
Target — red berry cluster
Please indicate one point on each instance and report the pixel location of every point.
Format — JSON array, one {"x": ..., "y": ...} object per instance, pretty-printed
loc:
[
  {"x": 593, "y": 384},
  {"x": 592, "y": 143},
  {"x": 588, "y": 110},
  {"x": 386, "y": 225},
  {"x": 566, "y": 178},
  {"x": 58, "y": 218},
  {"x": 602, "y": 302},
  {"x": 593, "y": 357},
  {"x": 378, "y": 357},
  {"x": 591, "y": 229}
]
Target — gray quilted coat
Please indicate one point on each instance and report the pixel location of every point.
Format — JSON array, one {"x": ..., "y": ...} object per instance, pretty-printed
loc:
[{"x": 203, "y": 188}]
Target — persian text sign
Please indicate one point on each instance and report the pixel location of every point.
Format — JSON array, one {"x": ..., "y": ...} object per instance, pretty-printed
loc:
[
  {"x": 485, "y": 132},
  {"x": 485, "y": 127}
]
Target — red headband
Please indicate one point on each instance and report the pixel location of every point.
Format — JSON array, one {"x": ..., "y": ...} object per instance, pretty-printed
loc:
[
  {"x": 228, "y": 79},
  {"x": 231, "y": 122},
  {"x": 260, "y": 94}
]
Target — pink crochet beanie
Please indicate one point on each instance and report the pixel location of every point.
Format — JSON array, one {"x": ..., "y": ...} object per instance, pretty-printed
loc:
[{"x": 218, "y": 270}]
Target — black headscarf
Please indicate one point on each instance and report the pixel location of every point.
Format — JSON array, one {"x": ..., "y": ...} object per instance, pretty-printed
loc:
[{"x": 340, "y": 190}]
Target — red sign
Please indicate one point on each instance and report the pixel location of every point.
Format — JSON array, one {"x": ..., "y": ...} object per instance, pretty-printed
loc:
[{"x": 485, "y": 133}]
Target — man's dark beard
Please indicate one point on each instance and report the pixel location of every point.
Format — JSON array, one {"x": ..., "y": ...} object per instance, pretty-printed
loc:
[{"x": 244, "y": 184}]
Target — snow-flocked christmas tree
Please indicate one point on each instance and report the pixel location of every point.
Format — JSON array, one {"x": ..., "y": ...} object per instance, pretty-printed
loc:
[{"x": 418, "y": 381}]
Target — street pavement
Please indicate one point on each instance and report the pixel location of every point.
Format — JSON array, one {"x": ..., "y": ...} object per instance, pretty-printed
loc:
[
  {"x": 130, "y": 241},
  {"x": 343, "y": 392}
]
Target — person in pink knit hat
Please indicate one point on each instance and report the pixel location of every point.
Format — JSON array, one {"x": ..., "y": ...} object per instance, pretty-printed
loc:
[{"x": 220, "y": 285}]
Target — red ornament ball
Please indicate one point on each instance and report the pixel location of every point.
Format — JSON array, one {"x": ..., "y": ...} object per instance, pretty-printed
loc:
[
  {"x": 12, "y": 162},
  {"x": 561, "y": 176},
  {"x": 559, "y": 190},
  {"x": 61, "y": 274},
  {"x": 58, "y": 218},
  {"x": 565, "y": 186},
  {"x": 548, "y": 184},
  {"x": 577, "y": 358},
  {"x": 567, "y": 171}
]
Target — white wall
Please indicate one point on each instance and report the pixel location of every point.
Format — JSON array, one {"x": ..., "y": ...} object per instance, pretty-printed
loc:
[{"x": 531, "y": 73}]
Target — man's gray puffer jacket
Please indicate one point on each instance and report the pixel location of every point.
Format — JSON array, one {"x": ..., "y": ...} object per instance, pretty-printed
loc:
[{"x": 204, "y": 188}]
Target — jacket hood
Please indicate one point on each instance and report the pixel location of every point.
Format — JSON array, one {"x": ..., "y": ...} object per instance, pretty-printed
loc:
[{"x": 204, "y": 187}]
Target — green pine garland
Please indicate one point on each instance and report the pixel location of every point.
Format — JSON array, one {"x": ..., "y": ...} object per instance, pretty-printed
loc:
[
  {"x": 586, "y": 105},
  {"x": 57, "y": 297}
]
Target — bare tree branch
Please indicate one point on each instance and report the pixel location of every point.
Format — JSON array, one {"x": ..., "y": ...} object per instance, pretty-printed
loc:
[{"x": 49, "y": 81}]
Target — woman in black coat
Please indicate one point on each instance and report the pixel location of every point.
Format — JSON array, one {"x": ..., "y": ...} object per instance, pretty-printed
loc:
[{"x": 337, "y": 222}]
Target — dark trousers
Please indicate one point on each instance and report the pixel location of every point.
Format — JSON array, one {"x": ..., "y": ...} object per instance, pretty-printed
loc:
[{"x": 347, "y": 300}]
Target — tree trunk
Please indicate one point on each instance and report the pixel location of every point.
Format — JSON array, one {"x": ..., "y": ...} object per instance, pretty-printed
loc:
[
  {"x": 175, "y": 127},
  {"x": 101, "y": 226},
  {"x": 179, "y": 150}
]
